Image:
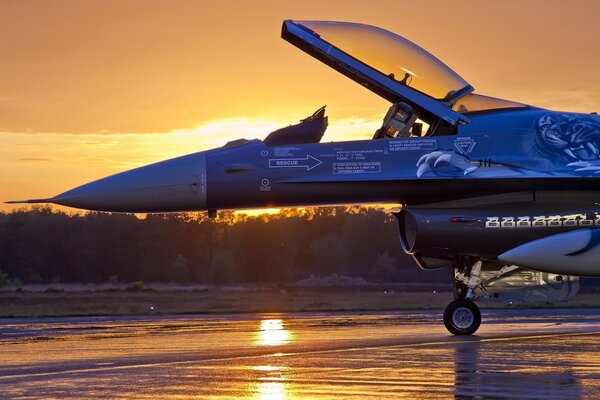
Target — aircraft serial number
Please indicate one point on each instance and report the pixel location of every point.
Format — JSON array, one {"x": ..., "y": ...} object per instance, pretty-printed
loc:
[{"x": 542, "y": 221}]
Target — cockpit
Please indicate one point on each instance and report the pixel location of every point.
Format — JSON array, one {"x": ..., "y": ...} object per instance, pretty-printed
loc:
[
  {"x": 402, "y": 120},
  {"x": 428, "y": 98}
]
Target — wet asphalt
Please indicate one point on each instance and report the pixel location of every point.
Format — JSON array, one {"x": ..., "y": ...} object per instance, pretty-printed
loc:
[{"x": 529, "y": 354}]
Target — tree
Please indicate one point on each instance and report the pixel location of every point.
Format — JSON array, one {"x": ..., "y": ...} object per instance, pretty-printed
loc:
[
  {"x": 330, "y": 255},
  {"x": 179, "y": 270},
  {"x": 384, "y": 268},
  {"x": 4, "y": 279},
  {"x": 223, "y": 268},
  {"x": 41, "y": 245}
]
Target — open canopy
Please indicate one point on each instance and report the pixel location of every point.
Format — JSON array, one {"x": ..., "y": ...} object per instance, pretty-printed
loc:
[
  {"x": 384, "y": 62},
  {"x": 391, "y": 55}
]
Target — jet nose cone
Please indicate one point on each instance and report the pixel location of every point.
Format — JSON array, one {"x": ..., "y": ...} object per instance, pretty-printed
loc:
[{"x": 173, "y": 185}]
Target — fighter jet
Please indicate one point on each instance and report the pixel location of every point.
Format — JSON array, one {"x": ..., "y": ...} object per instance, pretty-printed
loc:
[{"x": 504, "y": 193}]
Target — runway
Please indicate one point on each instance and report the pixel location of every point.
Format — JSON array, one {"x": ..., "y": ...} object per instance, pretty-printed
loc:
[{"x": 533, "y": 354}]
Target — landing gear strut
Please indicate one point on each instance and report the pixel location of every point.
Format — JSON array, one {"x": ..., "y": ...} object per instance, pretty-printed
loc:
[{"x": 462, "y": 316}]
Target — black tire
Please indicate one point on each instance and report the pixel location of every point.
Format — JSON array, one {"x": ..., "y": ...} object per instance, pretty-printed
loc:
[{"x": 462, "y": 317}]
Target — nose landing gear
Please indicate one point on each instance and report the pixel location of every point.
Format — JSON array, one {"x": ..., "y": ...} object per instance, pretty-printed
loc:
[{"x": 462, "y": 316}]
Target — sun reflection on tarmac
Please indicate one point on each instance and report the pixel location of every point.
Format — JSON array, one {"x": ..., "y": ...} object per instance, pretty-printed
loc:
[
  {"x": 268, "y": 368},
  {"x": 272, "y": 333},
  {"x": 270, "y": 383},
  {"x": 271, "y": 391}
]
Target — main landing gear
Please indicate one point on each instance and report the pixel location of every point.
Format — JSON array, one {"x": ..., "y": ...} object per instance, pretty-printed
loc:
[{"x": 462, "y": 316}]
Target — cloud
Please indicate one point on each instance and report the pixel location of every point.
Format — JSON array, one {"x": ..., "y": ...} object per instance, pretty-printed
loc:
[
  {"x": 221, "y": 129},
  {"x": 127, "y": 150},
  {"x": 28, "y": 159}
]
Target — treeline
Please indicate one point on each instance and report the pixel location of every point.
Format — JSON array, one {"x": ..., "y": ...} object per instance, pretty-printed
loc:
[{"x": 42, "y": 245}]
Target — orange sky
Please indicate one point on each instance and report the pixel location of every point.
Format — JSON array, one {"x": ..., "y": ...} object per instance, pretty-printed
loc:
[{"x": 90, "y": 88}]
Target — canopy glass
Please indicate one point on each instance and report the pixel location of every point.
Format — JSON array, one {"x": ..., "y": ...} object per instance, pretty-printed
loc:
[{"x": 391, "y": 55}]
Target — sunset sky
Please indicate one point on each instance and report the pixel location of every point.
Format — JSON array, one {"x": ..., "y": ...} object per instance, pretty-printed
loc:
[{"x": 90, "y": 88}]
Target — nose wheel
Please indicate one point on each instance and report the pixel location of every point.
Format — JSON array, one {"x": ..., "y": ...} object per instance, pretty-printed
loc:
[{"x": 462, "y": 317}]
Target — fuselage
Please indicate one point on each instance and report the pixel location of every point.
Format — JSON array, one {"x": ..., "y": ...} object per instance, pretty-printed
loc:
[{"x": 498, "y": 152}]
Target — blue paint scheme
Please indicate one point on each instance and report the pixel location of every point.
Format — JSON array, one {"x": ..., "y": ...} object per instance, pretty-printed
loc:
[
  {"x": 498, "y": 145},
  {"x": 593, "y": 242},
  {"x": 573, "y": 252}
]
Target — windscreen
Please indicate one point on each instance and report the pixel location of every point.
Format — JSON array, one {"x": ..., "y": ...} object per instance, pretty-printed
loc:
[
  {"x": 391, "y": 55},
  {"x": 478, "y": 102}
]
